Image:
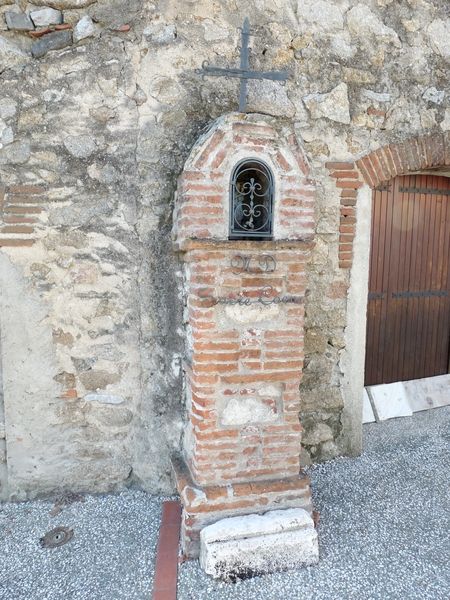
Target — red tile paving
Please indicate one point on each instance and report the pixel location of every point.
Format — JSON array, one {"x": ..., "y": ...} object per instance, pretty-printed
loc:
[{"x": 166, "y": 568}]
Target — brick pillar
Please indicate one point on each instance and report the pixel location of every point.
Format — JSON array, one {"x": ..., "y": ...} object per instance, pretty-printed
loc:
[{"x": 245, "y": 331}]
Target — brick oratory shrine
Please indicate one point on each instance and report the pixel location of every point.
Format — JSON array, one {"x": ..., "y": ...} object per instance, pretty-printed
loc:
[
  {"x": 237, "y": 349},
  {"x": 243, "y": 227}
]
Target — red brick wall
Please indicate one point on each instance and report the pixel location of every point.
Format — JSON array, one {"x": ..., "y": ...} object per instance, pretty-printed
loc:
[
  {"x": 245, "y": 329},
  {"x": 244, "y": 363},
  {"x": 205, "y": 505},
  {"x": 202, "y": 207},
  {"x": 20, "y": 206}
]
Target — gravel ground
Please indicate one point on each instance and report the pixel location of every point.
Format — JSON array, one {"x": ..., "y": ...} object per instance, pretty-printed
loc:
[
  {"x": 384, "y": 530},
  {"x": 384, "y": 533},
  {"x": 110, "y": 557}
]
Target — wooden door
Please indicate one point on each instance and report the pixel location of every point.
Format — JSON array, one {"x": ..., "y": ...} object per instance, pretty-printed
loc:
[{"x": 408, "y": 327}]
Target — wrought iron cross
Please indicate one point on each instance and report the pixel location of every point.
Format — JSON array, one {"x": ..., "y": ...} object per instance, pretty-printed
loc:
[{"x": 244, "y": 73}]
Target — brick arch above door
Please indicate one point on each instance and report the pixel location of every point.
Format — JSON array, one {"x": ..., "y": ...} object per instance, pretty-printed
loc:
[{"x": 373, "y": 169}]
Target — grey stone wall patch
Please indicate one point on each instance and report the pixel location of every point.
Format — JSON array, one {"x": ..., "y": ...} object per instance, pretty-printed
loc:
[
  {"x": 46, "y": 16},
  {"x": 52, "y": 41},
  {"x": 18, "y": 21}
]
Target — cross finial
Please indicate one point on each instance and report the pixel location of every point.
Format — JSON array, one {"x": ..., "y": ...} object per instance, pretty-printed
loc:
[{"x": 244, "y": 73}]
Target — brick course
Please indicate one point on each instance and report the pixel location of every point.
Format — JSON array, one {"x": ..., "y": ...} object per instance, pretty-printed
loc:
[{"x": 19, "y": 211}]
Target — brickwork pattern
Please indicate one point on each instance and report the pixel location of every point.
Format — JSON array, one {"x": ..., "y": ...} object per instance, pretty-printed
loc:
[
  {"x": 207, "y": 504},
  {"x": 245, "y": 330},
  {"x": 202, "y": 208},
  {"x": 377, "y": 167},
  {"x": 239, "y": 364},
  {"x": 20, "y": 207}
]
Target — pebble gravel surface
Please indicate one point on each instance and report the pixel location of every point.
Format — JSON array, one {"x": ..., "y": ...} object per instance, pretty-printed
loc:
[
  {"x": 110, "y": 557},
  {"x": 384, "y": 530},
  {"x": 384, "y": 533}
]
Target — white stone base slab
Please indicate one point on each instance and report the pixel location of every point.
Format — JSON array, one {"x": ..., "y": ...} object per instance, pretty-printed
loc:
[
  {"x": 241, "y": 547},
  {"x": 368, "y": 416},
  {"x": 390, "y": 400},
  {"x": 432, "y": 392}
]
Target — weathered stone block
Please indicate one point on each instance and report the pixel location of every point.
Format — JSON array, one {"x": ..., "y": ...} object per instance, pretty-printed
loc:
[
  {"x": 322, "y": 14},
  {"x": 80, "y": 146},
  {"x": 242, "y": 411},
  {"x": 65, "y": 4},
  {"x": 15, "y": 153},
  {"x": 366, "y": 25},
  {"x": 83, "y": 29},
  {"x": 438, "y": 35},
  {"x": 434, "y": 95},
  {"x": 8, "y": 108},
  {"x": 53, "y": 41},
  {"x": 333, "y": 105},
  {"x": 377, "y": 96},
  {"x": 104, "y": 398},
  {"x": 6, "y": 134},
  {"x": 321, "y": 432},
  {"x": 240, "y": 547},
  {"x": 269, "y": 98},
  {"x": 18, "y": 21},
  {"x": 160, "y": 33},
  {"x": 46, "y": 16}
]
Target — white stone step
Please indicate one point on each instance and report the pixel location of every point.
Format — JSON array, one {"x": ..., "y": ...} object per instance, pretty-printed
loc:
[
  {"x": 403, "y": 398},
  {"x": 241, "y": 547},
  {"x": 390, "y": 400}
]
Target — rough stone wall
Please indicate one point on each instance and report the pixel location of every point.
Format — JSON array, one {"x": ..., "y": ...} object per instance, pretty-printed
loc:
[{"x": 103, "y": 123}]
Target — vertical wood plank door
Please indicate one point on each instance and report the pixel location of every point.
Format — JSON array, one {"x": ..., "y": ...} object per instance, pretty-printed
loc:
[{"x": 408, "y": 317}]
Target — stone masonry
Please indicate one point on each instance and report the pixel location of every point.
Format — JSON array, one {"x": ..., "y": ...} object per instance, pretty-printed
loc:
[{"x": 100, "y": 105}]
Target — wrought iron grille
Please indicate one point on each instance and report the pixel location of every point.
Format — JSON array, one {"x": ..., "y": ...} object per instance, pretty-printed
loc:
[{"x": 251, "y": 201}]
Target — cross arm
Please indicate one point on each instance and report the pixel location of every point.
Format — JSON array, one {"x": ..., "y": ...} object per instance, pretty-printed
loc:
[{"x": 243, "y": 74}]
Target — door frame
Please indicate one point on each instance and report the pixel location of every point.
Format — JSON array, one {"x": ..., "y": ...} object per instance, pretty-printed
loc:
[{"x": 430, "y": 153}]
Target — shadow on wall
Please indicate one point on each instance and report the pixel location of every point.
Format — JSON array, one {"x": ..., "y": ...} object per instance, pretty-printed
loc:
[{"x": 3, "y": 472}]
